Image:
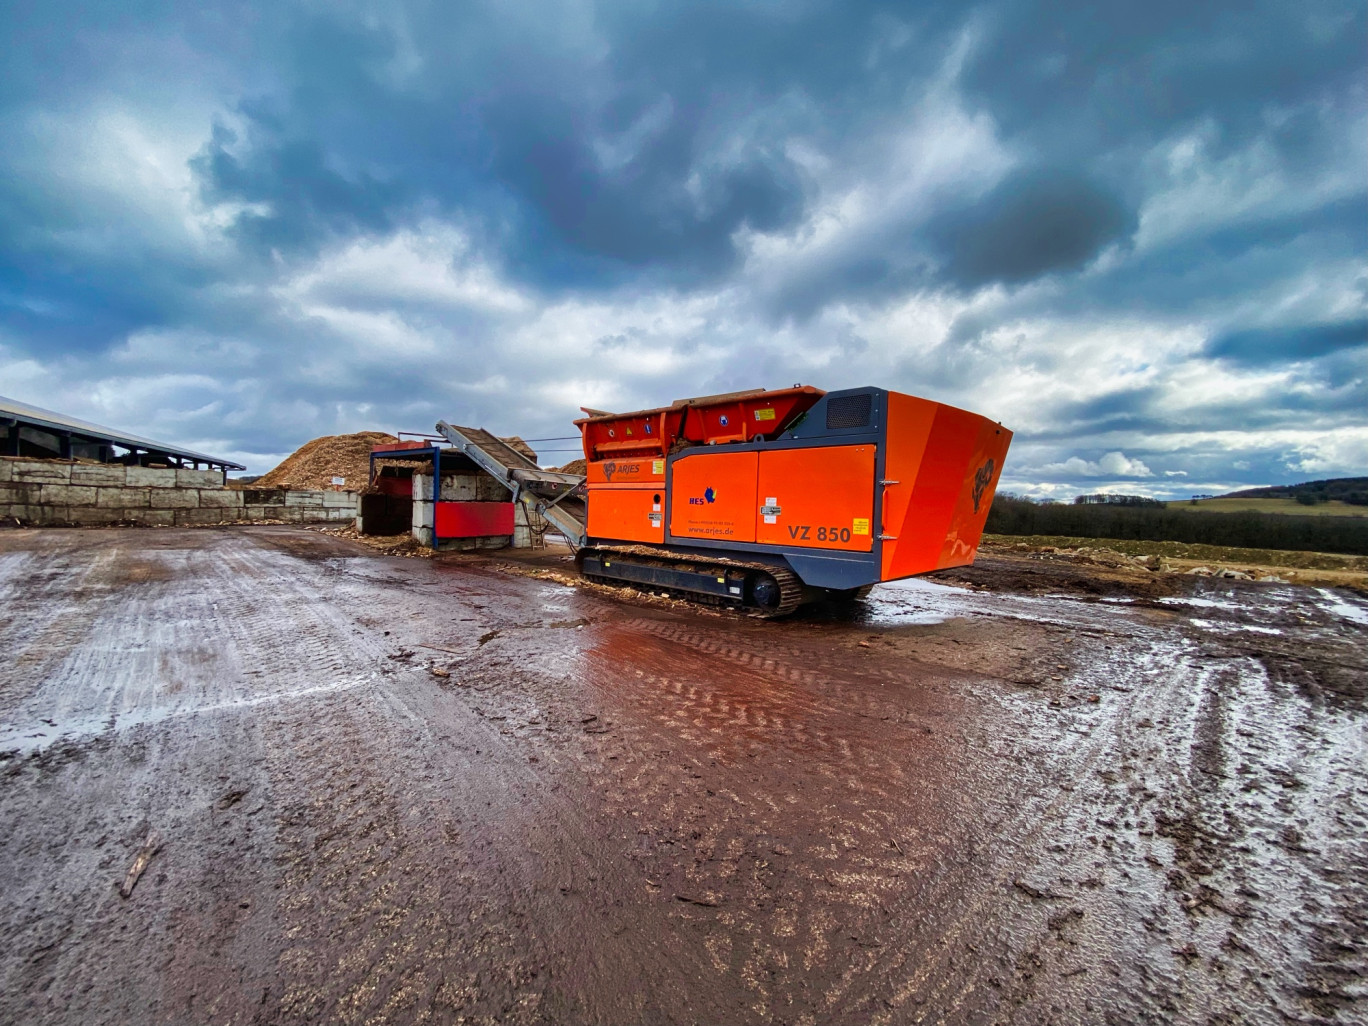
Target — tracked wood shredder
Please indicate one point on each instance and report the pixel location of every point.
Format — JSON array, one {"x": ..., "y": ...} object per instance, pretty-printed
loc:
[{"x": 764, "y": 500}]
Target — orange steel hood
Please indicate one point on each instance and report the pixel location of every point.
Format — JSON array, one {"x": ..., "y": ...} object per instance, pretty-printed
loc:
[{"x": 941, "y": 471}]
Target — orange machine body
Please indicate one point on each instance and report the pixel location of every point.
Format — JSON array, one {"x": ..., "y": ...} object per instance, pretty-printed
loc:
[{"x": 846, "y": 489}]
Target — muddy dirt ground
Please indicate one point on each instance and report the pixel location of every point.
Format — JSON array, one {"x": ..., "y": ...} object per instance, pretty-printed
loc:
[{"x": 435, "y": 791}]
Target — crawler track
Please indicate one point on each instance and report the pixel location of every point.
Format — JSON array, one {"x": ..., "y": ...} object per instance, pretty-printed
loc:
[{"x": 758, "y": 579}]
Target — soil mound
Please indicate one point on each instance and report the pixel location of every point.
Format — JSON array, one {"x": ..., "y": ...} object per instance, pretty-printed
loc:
[{"x": 316, "y": 463}]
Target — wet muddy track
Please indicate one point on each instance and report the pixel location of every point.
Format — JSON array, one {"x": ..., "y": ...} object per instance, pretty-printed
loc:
[{"x": 397, "y": 790}]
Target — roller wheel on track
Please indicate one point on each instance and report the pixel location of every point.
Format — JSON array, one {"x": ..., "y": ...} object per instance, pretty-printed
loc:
[{"x": 775, "y": 592}]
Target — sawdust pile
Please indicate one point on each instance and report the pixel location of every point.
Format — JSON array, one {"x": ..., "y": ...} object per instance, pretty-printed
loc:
[
  {"x": 316, "y": 463},
  {"x": 519, "y": 446}
]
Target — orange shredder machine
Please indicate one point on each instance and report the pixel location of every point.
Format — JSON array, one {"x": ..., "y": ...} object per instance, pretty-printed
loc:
[{"x": 766, "y": 499}]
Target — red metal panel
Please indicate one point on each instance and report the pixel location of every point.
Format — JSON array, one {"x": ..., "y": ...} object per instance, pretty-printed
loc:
[
  {"x": 473, "y": 519},
  {"x": 737, "y": 417}
]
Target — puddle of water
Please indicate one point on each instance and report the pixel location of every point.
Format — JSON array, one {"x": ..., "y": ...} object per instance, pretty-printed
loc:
[
  {"x": 1219, "y": 628},
  {"x": 1203, "y": 603},
  {"x": 39, "y": 737},
  {"x": 915, "y": 601},
  {"x": 1338, "y": 605},
  {"x": 912, "y": 601}
]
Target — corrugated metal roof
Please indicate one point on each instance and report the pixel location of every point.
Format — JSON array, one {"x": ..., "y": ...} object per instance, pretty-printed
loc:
[{"x": 36, "y": 416}]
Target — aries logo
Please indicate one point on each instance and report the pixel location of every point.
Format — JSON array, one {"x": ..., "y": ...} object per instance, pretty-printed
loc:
[
  {"x": 982, "y": 478},
  {"x": 610, "y": 468}
]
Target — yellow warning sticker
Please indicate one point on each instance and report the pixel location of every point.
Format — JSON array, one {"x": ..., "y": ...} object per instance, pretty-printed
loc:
[
  {"x": 765, "y": 414},
  {"x": 657, "y": 466},
  {"x": 859, "y": 525}
]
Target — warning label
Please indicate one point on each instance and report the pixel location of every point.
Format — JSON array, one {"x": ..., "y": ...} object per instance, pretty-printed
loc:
[
  {"x": 860, "y": 525},
  {"x": 657, "y": 466},
  {"x": 765, "y": 414}
]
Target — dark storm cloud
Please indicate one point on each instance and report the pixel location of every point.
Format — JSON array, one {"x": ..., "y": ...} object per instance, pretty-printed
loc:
[
  {"x": 1087, "y": 77},
  {"x": 1034, "y": 223},
  {"x": 1299, "y": 342},
  {"x": 301, "y": 198}
]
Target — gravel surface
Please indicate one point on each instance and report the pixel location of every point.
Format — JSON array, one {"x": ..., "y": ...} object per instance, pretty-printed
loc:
[{"x": 350, "y": 788}]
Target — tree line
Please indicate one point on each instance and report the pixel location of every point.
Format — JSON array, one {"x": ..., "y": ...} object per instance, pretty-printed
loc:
[{"x": 1250, "y": 530}]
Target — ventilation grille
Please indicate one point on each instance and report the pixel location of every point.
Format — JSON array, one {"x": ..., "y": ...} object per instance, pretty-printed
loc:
[{"x": 849, "y": 411}]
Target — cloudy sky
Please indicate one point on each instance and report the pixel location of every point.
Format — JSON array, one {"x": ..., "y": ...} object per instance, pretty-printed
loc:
[{"x": 1136, "y": 233}]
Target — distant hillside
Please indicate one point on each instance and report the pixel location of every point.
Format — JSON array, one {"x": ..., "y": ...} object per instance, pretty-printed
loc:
[{"x": 1353, "y": 490}]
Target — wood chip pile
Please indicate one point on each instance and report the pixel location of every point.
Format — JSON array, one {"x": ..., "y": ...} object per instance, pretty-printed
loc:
[
  {"x": 316, "y": 463},
  {"x": 573, "y": 467}
]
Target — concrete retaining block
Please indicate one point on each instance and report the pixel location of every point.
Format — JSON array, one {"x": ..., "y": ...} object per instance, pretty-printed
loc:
[
  {"x": 41, "y": 471},
  {"x": 198, "y": 478},
  {"x": 150, "y": 517},
  {"x": 85, "y": 516},
  {"x": 200, "y": 517},
  {"x": 423, "y": 514},
  {"x": 173, "y": 498},
  {"x": 121, "y": 498},
  {"x": 262, "y": 512},
  {"x": 220, "y": 499},
  {"x": 98, "y": 475},
  {"x": 150, "y": 477},
  {"x": 11, "y": 494},
  {"x": 301, "y": 497},
  {"x": 347, "y": 499},
  {"x": 6, "y": 471},
  {"x": 66, "y": 495}
]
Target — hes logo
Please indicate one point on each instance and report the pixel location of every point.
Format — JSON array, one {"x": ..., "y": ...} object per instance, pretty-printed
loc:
[{"x": 708, "y": 496}]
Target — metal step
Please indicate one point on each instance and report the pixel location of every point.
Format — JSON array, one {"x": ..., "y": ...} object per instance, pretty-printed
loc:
[{"x": 557, "y": 497}]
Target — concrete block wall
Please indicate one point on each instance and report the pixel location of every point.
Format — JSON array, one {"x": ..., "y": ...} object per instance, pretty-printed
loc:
[{"x": 56, "y": 493}]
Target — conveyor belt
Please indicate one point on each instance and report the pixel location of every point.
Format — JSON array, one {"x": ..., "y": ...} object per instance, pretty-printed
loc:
[{"x": 556, "y": 496}]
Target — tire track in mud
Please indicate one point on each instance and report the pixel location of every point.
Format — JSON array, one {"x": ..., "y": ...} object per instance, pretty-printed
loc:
[
  {"x": 120, "y": 776},
  {"x": 741, "y": 825},
  {"x": 1024, "y": 828},
  {"x": 60, "y": 598},
  {"x": 444, "y": 898}
]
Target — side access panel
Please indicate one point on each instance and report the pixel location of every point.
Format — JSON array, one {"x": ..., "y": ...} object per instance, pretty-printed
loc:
[
  {"x": 627, "y": 499},
  {"x": 819, "y": 498},
  {"x": 628, "y": 514},
  {"x": 712, "y": 496},
  {"x": 942, "y": 465}
]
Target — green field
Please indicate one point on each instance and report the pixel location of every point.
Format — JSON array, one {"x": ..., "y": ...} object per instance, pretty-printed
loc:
[{"x": 1291, "y": 507}]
